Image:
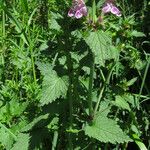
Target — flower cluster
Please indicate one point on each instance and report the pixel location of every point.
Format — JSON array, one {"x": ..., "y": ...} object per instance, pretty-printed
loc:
[
  {"x": 78, "y": 9},
  {"x": 110, "y": 7}
]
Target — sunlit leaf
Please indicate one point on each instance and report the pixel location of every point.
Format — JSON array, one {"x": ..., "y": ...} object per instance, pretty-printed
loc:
[
  {"x": 121, "y": 102},
  {"x": 137, "y": 34},
  {"x": 106, "y": 130},
  {"x": 53, "y": 86},
  {"x": 100, "y": 44},
  {"x": 22, "y": 142}
]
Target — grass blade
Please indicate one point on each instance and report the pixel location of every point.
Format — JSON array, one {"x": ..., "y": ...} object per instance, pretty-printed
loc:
[{"x": 18, "y": 25}]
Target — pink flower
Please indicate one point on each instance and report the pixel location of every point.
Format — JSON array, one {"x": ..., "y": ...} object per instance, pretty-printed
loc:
[
  {"x": 78, "y": 9},
  {"x": 110, "y": 7}
]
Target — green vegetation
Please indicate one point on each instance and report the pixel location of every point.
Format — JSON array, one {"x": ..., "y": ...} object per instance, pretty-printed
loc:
[{"x": 74, "y": 84}]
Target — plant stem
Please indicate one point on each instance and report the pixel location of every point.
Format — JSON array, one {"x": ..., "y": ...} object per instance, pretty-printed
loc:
[
  {"x": 55, "y": 138},
  {"x": 70, "y": 114},
  {"x": 93, "y": 11},
  {"x": 33, "y": 65},
  {"x": 70, "y": 88},
  {"x": 99, "y": 99},
  {"x": 90, "y": 87},
  {"x": 143, "y": 83},
  {"x": 70, "y": 101},
  {"x": 54, "y": 60},
  {"x": 144, "y": 77},
  {"x": 3, "y": 25},
  {"x": 102, "y": 89}
]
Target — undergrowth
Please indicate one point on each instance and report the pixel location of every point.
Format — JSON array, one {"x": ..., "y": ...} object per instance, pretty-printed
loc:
[{"x": 76, "y": 84}]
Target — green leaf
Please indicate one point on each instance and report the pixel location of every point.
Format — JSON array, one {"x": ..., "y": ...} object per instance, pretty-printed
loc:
[
  {"x": 132, "y": 81},
  {"x": 100, "y": 4},
  {"x": 53, "y": 22},
  {"x": 121, "y": 102},
  {"x": 104, "y": 108},
  {"x": 94, "y": 11},
  {"x": 138, "y": 141},
  {"x": 106, "y": 130},
  {"x": 35, "y": 122},
  {"x": 45, "y": 68},
  {"x": 22, "y": 142},
  {"x": 73, "y": 130},
  {"x": 18, "y": 25},
  {"x": 131, "y": 99},
  {"x": 31, "y": 17},
  {"x": 43, "y": 46},
  {"x": 17, "y": 108},
  {"x": 53, "y": 86},
  {"x": 137, "y": 34},
  {"x": 6, "y": 138},
  {"x": 53, "y": 125},
  {"x": 100, "y": 44}
]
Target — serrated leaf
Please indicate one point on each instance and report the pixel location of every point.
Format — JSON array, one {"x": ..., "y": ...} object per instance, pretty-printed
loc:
[
  {"x": 131, "y": 99},
  {"x": 53, "y": 86},
  {"x": 104, "y": 108},
  {"x": 106, "y": 130},
  {"x": 45, "y": 68},
  {"x": 121, "y": 102},
  {"x": 101, "y": 45},
  {"x": 22, "y": 142},
  {"x": 53, "y": 22},
  {"x": 6, "y": 139}
]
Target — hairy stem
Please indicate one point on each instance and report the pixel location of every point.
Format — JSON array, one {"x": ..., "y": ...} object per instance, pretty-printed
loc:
[
  {"x": 70, "y": 89},
  {"x": 90, "y": 87},
  {"x": 70, "y": 99}
]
